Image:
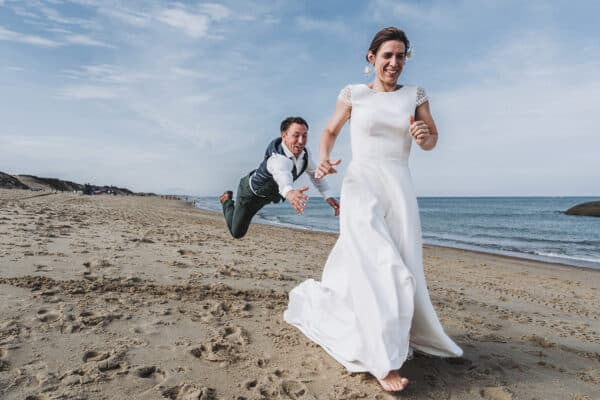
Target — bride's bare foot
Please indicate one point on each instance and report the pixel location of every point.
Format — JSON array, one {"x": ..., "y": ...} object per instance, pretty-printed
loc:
[{"x": 393, "y": 382}]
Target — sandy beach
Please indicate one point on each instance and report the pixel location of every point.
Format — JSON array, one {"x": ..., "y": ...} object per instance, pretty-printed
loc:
[{"x": 125, "y": 297}]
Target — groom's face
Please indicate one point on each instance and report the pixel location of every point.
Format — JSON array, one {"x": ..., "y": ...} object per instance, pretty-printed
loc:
[{"x": 295, "y": 138}]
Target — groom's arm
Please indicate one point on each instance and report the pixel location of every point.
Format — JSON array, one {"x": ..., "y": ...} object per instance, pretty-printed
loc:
[
  {"x": 281, "y": 168},
  {"x": 320, "y": 184},
  {"x": 322, "y": 187}
]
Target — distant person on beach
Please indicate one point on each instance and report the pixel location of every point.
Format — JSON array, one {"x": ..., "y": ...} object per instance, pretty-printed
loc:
[
  {"x": 372, "y": 306},
  {"x": 285, "y": 160}
]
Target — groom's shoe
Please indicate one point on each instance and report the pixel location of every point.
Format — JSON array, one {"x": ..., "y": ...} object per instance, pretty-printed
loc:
[{"x": 228, "y": 195}]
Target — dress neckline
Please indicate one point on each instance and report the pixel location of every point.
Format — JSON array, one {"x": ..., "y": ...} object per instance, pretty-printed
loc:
[{"x": 400, "y": 87}]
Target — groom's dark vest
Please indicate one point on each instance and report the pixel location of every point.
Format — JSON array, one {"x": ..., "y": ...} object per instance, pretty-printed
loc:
[{"x": 261, "y": 179}]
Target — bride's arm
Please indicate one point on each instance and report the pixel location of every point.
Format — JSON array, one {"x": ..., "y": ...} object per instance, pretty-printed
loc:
[
  {"x": 428, "y": 136},
  {"x": 330, "y": 132}
]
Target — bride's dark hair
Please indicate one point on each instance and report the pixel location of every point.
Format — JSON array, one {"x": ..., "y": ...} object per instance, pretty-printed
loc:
[{"x": 391, "y": 33}]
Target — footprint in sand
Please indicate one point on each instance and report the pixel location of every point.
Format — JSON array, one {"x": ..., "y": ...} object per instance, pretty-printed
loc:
[
  {"x": 42, "y": 268},
  {"x": 296, "y": 390},
  {"x": 262, "y": 362},
  {"x": 235, "y": 334},
  {"x": 212, "y": 311},
  {"x": 152, "y": 373},
  {"x": 187, "y": 391},
  {"x": 434, "y": 384},
  {"x": 102, "y": 361},
  {"x": 344, "y": 392},
  {"x": 90, "y": 318},
  {"x": 312, "y": 364},
  {"x": 93, "y": 355},
  {"x": 4, "y": 365},
  {"x": 47, "y": 316},
  {"x": 496, "y": 393},
  {"x": 539, "y": 341},
  {"x": 97, "y": 263},
  {"x": 277, "y": 386},
  {"x": 145, "y": 329},
  {"x": 227, "y": 345}
]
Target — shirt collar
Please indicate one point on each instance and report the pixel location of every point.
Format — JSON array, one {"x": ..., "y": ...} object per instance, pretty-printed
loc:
[{"x": 289, "y": 154}]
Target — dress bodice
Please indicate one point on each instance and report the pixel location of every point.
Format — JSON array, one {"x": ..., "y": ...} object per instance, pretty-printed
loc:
[{"x": 379, "y": 121}]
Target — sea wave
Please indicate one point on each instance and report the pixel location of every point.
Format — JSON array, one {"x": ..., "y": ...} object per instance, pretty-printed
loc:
[
  {"x": 545, "y": 236},
  {"x": 595, "y": 260}
]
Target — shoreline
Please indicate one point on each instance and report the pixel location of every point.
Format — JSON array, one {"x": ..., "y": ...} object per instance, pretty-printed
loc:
[
  {"x": 588, "y": 265},
  {"x": 110, "y": 297}
]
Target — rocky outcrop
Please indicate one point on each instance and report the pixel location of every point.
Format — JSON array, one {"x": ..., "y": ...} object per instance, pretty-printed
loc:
[
  {"x": 589, "y": 209},
  {"x": 53, "y": 184},
  {"x": 35, "y": 182},
  {"x": 10, "y": 182}
]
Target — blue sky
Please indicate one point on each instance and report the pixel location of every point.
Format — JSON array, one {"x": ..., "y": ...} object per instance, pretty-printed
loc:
[{"x": 182, "y": 97}]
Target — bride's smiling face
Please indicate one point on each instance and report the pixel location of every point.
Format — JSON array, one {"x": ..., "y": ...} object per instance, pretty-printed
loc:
[{"x": 389, "y": 61}]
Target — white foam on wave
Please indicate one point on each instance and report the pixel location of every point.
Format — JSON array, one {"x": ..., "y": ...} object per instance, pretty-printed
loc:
[
  {"x": 578, "y": 258},
  {"x": 277, "y": 222}
]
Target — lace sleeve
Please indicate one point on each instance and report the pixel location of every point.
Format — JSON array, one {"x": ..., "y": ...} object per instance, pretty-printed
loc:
[
  {"x": 346, "y": 95},
  {"x": 421, "y": 96}
]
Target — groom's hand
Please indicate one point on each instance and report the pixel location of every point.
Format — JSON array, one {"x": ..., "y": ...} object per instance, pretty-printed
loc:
[
  {"x": 297, "y": 198},
  {"x": 334, "y": 204},
  {"x": 325, "y": 167}
]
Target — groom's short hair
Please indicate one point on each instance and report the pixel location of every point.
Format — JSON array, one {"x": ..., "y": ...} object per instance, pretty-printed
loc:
[{"x": 285, "y": 124}]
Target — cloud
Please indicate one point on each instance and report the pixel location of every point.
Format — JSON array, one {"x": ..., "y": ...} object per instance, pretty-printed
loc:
[
  {"x": 14, "y": 68},
  {"x": 89, "y": 92},
  {"x": 194, "y": 25},
  {"x": 215, "y": 11},
  {"x": 439, "y": 15},
  {"x": 320, "y": 25},
  {"x": 271, "y": 20},
  {"x": 11, "y": 36},
  {"x": 53, "y": 15},
  {"x": 85, "y": 41},
  {"x": 129, "y": 17},
  {"x": 192, "y": 20},
  {"x": 189, "y": 73},
  {"x": 108, "y": 73}
]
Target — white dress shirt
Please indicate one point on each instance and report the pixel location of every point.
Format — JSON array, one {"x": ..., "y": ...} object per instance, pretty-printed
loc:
[{"x": 281, "y": 166}]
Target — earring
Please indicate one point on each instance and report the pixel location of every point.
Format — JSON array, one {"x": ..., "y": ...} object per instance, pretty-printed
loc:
[{"x": 368, "y": 69}]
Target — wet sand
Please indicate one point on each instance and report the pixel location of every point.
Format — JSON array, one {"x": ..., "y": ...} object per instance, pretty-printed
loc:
[{"x": 112, "y": 297}]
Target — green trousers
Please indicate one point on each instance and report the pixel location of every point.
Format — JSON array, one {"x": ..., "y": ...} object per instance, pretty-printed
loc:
[{"x": 238, "y": 214}]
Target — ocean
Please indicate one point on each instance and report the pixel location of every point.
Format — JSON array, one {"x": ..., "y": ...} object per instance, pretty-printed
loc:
[{"x": 526, "y": 227}]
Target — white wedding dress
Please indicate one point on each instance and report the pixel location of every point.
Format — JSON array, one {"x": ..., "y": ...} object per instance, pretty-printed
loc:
[{"x": 372, "y": 302}]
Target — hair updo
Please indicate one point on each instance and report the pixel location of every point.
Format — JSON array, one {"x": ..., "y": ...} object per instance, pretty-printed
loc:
[{"x": 386, "y": 34}]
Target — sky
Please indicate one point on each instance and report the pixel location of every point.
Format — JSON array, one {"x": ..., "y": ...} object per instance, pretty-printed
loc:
[{"x": 183, "y": 97}]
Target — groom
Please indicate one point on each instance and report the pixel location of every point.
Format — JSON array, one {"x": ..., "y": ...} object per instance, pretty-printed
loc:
[{"x": 284, "y": 161}]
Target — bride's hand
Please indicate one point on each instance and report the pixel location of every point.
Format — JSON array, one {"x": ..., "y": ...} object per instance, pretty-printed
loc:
[
  {"x": 325, "y": 167},
  {"x": 419, "y": 131}
]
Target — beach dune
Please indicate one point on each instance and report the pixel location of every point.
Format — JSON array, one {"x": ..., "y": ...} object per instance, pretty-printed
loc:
[{"x": 114, "y": 297}]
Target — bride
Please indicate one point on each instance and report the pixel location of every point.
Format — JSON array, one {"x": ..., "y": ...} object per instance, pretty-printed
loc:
[{"x": 372, "y": 305}]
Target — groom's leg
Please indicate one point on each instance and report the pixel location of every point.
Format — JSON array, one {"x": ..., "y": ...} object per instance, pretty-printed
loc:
[
  {"x": 243, "y": 215},
  {"x": 239, "y": 214},
  {"x": 228, "y": 210}
]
